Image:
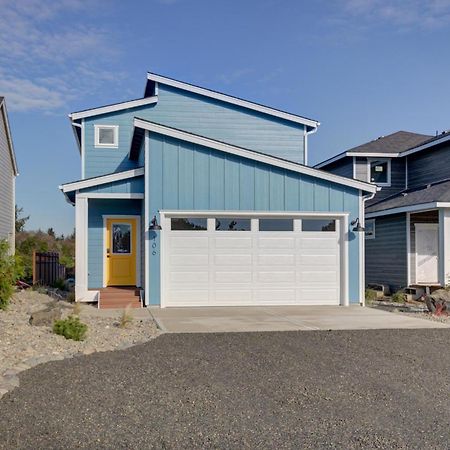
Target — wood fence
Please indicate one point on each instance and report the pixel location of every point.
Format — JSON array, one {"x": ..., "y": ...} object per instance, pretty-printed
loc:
[{"x": 47, "y": 269}]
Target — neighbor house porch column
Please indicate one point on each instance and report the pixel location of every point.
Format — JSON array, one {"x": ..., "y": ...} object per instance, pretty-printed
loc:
[
  {"x": 444, "y": 246},
  {"x": 81, "y": 226}
]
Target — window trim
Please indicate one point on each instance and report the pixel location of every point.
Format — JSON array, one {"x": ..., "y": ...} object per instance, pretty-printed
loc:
[
  {"x": 373, "y": 235},
  {"x": 388, "y": 160},
  {"x": 115, "y": 128}
]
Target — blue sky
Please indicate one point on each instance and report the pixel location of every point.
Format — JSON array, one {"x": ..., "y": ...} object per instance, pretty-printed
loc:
[{"x": 363, "y": 68}]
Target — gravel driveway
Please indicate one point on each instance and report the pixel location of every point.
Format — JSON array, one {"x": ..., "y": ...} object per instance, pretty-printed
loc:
[{"x": 315, "y": 389}]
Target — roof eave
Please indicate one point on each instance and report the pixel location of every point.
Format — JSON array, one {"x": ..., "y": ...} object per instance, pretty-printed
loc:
[{"x": 9, "y": 138}]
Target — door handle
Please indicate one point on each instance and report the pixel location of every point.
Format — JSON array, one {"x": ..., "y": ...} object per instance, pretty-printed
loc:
[{"x": 107, "y": 253}]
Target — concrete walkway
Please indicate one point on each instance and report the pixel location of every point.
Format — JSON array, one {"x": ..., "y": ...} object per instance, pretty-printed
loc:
[{"x": 283, "y": 318}]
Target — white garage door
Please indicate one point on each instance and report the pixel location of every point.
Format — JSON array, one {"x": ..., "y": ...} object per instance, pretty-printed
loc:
[{"x": 229, "y": 261}]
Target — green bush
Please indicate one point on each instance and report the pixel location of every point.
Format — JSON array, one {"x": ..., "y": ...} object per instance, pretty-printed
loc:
[
  {"x": 10, "y": 271},
  {"x": 371, "y": 295},
  {"x": 70, "y": 328},
  {"x": 399, "y": 297},
  {"x": 59, "y": 284}
]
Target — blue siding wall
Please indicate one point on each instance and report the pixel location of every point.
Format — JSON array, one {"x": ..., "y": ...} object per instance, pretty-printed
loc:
[
  {"x": 129, "y": 186},
  {"x": 196, "y": 114},
  {"x": 98, "y": 208},
  {"x": 190, "y": 177}
]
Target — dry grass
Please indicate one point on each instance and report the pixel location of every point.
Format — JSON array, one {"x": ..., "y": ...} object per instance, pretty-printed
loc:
[
  {"x": 76, "y": 309},
  {"x": 126, "y": 318}
]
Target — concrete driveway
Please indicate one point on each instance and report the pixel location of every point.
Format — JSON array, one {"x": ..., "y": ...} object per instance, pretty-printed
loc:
[{"x": 283, "y": 318}]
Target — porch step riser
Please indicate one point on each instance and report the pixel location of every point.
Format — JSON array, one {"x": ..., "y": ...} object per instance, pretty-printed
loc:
[{"x": 121, "y": 306}]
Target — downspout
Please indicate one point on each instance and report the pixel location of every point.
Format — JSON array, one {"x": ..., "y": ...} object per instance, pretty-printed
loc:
[
  {"x": 362, "y": 243},
  {"x": 305, "y": 144}
]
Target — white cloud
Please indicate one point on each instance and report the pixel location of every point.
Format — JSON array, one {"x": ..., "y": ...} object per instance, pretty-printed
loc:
[
  {"x": 404, "y": 14},
  {"x": 48, "y": 57}
]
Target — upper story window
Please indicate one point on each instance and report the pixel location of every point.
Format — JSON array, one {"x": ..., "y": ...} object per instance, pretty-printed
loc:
[
  {"x": 106, "y": 136},
  {"x": 380, "y": 171}
]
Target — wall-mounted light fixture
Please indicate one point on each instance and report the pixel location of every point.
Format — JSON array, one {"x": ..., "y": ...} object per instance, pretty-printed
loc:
[
  {"x": 357, "y": 226},
  {"x": 154, "y": 225}
]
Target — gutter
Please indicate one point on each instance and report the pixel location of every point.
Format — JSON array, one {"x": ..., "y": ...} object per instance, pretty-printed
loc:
[{"x": 305, "y": 143}]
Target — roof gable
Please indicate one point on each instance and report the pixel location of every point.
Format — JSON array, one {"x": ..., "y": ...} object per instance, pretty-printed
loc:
[
  {"x": 151, "y": 89},
  {"x": 250, "y": 154}
]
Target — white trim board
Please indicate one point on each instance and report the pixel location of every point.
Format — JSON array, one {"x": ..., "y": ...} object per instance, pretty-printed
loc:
[
  {"x": 103, "y": 179},
  {"x": 114, "y": 107},
  {"x": 248, "y": 154},
  {"x": 138, "y": 244},
  {"x": 355, "y": 154},
  {"x": 233, "y": 100},
  {"x": 109, "y": 195},
  {"x": 8, "y": 137},
  {"x": 412, "y": 208}
]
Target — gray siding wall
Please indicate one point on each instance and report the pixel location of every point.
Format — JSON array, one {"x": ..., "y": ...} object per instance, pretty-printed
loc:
[
  {"x": 7, "y": 181},
  {"x": 425, "y": 217},
  {"x": 386, "y": 255},
  {"x": 343, "y": 167},
  {"x": 429, "y": 166}
]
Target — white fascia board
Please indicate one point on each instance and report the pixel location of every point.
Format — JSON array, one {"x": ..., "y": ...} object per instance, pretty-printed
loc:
[
  {"x": 374, "y": 155},
  {"x": 109, "y": 195},
  {"x": 425, "y": 146},
  {"x": 83, "y": 184},
  {"x": 248, "y": 154},
  {"x": 113, "y": 108},
  {"x": 260, "y": 213},
  {"x": 412, "y": 208},
  {"x": 233, "y": 100},
  {"x": 9, "y": 138},
  {"x": 330, "y": 160}
]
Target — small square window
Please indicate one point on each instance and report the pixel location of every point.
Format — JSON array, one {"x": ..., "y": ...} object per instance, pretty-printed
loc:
[
  {"x": 318, "y": 225},
  {"x": 232, "y": 224},
  {"x": 380, "y": 171},
  {"x": 276, "y": 225},
  {"x": 189, "y": 224},
  {"x": 369, "y": 226},
  {"x": 106, "y": 136}
]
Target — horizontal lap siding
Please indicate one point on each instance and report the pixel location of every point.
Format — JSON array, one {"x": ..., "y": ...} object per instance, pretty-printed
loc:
[
  {"x": 196, "y": 114},
  {"x": 129, "y": 186},
  {"x": 98, "y": 208},
  {"x": 190, "y": 177},
  {"x": 429, "y": 166},
  {"x": 343, "y": 167},
  {"x": 6, "y": 187},
  {"x": 386, "y": 255}
]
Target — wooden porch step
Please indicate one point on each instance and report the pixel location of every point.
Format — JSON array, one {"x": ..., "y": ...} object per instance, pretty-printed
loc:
[{"x": 120, "y": 297}]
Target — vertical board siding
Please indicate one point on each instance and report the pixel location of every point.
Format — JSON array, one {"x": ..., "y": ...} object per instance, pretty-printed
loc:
[
  {"x": 196, "y": 114},
  {"x": 226, "y": 182},
  {"x": 7, "y": 180},
  {"x": 424, "y": 217},
  {"x": 429, "y": 166},
  {"x": 386, "y": 255},
  {"x": 98, "y": 208},
  {"x": 129, "y": 186}
]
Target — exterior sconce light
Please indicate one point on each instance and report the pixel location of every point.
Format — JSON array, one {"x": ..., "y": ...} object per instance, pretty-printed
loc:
[
  {"x": 358, "y": 228},
  {"x": 154, "y": 225}
]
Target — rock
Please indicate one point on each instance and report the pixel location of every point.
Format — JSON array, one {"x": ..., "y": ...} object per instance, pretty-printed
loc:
[
  {"x": 437, "y": 301},
  {"x": 45, "y": 317}
]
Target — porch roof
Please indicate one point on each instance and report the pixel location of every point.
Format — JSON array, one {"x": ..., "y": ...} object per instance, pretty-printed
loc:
[{"x": 426, "y": 194}]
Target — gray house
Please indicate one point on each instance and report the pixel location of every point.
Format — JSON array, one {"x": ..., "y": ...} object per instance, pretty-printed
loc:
[
  {"x": 8, "y": 173},
  {"x": 407, "y": 241}
]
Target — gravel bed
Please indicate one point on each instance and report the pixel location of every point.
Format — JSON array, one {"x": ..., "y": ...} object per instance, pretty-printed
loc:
[
  {"x": 23, "y": 346},
  {"x": 371, "y": 389}
]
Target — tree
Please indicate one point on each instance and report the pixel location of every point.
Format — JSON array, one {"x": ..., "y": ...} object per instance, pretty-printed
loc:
[
  {"x": 20, "y": 221},
  {"x": 51, "y": 232}
]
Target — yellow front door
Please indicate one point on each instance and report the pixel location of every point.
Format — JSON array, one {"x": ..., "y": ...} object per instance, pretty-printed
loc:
[{"x": 121, "y": 252}]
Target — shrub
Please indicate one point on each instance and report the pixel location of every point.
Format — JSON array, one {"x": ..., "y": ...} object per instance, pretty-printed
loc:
[
  {"x": 71, "y": 297},
  {"x": 59, "y": 284},
  {"x": 399, "y": 297},
  {"x": 70, "y": 328},
  {"x": 371, "y": 295},
  {"x": 10, "y": 271}
]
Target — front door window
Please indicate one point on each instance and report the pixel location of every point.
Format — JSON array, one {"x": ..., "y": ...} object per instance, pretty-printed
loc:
[{"x": 121, "y": 238}]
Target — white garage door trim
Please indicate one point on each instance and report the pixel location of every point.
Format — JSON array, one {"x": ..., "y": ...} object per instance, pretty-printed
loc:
[{"x": 342, "y": 219}]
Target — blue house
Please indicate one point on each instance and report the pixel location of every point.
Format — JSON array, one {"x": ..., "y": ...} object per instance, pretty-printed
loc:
[{"x": 192, "y": 197}]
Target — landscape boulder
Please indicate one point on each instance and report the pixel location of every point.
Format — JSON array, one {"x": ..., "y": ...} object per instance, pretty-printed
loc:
[
  {"x": 437, "y": 301},
  {"x": 45, "y": 317}
]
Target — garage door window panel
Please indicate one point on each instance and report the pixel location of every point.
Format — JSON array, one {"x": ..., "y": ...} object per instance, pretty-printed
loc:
[
  {"x": 276, "y": 225},
  {"x": 232, "y": 224},
  {"x": 318, "y": 225},
  {"x": 188, "y": 224}
]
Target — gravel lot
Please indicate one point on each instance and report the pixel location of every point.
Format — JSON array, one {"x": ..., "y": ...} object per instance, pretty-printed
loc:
[{"x": 340, "y": 389}]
